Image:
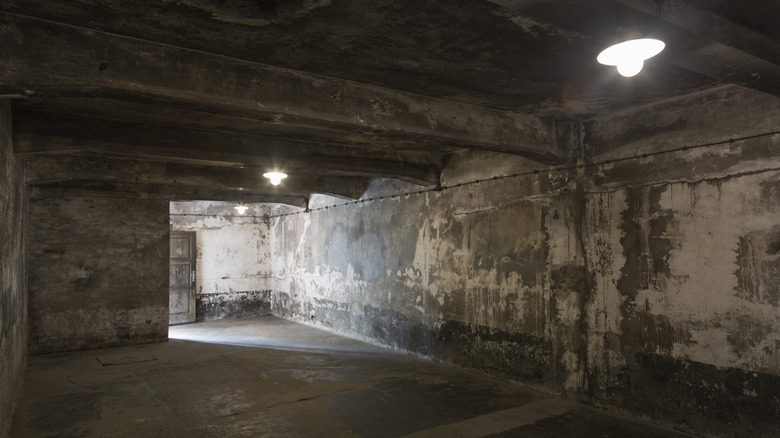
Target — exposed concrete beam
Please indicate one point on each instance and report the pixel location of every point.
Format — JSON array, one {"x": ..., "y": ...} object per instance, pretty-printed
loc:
[
  {"x": 44, "y": 58},
  {"x": 171, "y": 193},
  {"x": 60, "y": 169},
  {"x": 43, "y": 133},
  {"x": 230, "y": 122},
  {"x": 729, "y": 112}
]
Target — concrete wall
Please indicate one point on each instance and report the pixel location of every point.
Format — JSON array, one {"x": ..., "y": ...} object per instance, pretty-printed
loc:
[
  {"x": 484, "y": 276},
  {"x": 230, "y": 283},
  {"x": 684, "y": 248},
  {"x": 13, "y": 299},
  {"x": 646, "y": 278},
  {"x": 98, "y": 269}
]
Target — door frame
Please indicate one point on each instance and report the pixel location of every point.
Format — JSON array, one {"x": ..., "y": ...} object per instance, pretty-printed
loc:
[{"x": 190, "y": 259}]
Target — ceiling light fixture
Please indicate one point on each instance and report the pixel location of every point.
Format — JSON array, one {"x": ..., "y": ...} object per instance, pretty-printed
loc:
[
  {"x": 629, "y": 56},
  {"x": 241, "y": 208},
  {"x": 275, "y": 177}
]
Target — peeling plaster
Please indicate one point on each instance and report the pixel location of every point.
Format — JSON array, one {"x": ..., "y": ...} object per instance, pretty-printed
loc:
[{"x": 610, "y": 293}]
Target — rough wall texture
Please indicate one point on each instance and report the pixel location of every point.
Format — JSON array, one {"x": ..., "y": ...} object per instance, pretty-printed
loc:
[
  {"x": 98, "y": 270},
  {"x": 684, "y": 320},
  {"x": 684, "y": 248},
  {"x": 227, "y": 305},
  {"x": 644, "y": 281},
  {"x": 13, "y": 299},
  {"x": 229, "y": 281},
  {"x": 471, "y": 279}
]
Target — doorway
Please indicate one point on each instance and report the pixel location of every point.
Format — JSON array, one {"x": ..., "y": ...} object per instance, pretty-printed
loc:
[{"x": 182, "y": 278}]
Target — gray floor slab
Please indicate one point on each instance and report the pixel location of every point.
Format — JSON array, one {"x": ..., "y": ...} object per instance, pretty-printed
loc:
[{"x": 267, "y": 377}]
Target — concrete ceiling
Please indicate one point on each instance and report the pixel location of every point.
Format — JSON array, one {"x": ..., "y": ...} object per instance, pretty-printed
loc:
[{"x": 195, "y": 99}]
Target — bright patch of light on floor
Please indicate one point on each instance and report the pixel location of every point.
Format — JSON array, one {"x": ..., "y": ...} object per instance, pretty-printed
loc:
[{"x": 267, "y": 332}]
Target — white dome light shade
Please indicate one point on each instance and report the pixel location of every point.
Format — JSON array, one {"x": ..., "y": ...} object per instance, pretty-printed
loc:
[
  {"x": 629, "y": 56},
  {"x": 275, "y": 177},
  {"x": 241, "y": 209}
]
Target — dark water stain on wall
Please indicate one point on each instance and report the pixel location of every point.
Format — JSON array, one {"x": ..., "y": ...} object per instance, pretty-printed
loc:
[
  {"x": 535, "y": 312},
  {"x": 284, "y": 305},
  {"x": 632, "y": 279},
  {"x": 646, "y": 242},
  {"x": 770, "y": 192},
  {"x": 646, "y": 246},
  {"x": 647, "y": 332},
  {"x": 570, "y": 279},
  {"x": 773, "y": 246},
  {"x": 516, "y": 355},
  {"x": 571, "y": 284},
  {"x": 749, "y": 333},
  {"x": 758, "y": 267},
  {"x": 227, "y": 305},
  {"x": 509, "y": 354},
  {"x": 703, "y": 398},
  {"x": 661, "y": 224},
  {"x": 646, "y": 252}
]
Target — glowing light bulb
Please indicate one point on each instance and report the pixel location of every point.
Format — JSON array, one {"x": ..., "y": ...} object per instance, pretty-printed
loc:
[
  {"x": 630, "y": 67},
  {"x": 629, "y": 56},
  {"x": 275, "y": 177},
  {"x": 241, "y": 209}
]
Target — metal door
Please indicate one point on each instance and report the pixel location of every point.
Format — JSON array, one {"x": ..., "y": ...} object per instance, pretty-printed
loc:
[{"x": 182, "y": 279}]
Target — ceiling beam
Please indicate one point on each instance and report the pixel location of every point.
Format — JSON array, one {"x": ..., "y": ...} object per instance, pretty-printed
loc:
[
  {"x": 44, "y": 133},
  {"x": 663, "y": 126},
  {"x": 229, "y": 122},
  {"x": 45, "y": 58},
  {"x": 60, "y": 169},
  {"x": 166, "y": 192}
]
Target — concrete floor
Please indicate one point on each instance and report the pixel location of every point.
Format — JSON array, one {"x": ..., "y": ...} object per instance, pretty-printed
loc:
[{"x": 267, "y": 377}]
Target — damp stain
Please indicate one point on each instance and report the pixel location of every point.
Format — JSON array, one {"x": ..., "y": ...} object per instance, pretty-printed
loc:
[
  {"x": 758, "y": 267},
  {"x": 646, "y": 332},
  {"x": 646, "y": 241},
  {"x": 748, "y": 333}
]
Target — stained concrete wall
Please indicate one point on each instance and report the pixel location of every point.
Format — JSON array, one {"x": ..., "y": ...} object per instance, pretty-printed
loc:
[
  {"x": 644, "y": 278},
  {"x": 13, "y": 299},
  {"x": 483, "y": 276},
  {"x": 229, "y": 281},
  {"x": 684, "y": 247},
  {"x": 98, "y": 269}
]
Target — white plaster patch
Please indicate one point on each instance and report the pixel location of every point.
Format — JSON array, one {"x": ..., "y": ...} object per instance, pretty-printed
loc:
[
  {"x": 703, "y": 264},
  {"x": 707, "y": 346}
]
